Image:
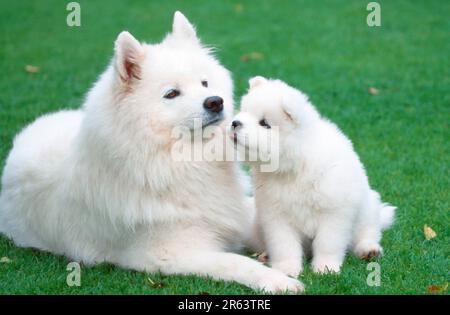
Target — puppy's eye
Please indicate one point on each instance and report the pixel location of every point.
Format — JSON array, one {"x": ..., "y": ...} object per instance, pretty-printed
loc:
[
  {"x": 172, "y": 94},
  {"x": 263, "y": 123},
  {"x": 205, "y": 83}
]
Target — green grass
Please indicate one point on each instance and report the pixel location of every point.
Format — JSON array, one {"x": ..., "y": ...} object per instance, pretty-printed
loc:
[{"x": 323, "y": 47}]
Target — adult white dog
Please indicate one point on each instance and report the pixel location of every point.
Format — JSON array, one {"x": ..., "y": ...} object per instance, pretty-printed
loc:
[
  {"x": 320, "y": 192},
  {"x": 100, "y": 185}
]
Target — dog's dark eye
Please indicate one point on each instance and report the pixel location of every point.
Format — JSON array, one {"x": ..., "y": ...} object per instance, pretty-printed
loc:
[
  {"x": 172, "y": 94},
  {"x": 205, "y": 83},
  {"x": 263, "y": 123}
]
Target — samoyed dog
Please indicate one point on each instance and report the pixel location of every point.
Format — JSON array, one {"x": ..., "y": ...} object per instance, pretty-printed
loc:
[
  {"x": 99, "y": 184},
  {"x": 319, "y": 193}
]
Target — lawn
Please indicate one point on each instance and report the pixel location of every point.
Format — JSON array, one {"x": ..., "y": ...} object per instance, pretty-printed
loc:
[{"x": 324, "y": 48}]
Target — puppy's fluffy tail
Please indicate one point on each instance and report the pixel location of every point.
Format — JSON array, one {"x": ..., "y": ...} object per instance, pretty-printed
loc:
[
  {"x": 387, "y": 211},
  {"x": 387, "y": 215}
]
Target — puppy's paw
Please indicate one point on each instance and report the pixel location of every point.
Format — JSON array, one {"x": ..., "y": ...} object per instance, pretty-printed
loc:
[
  {"x": 368, "y": 250},
  {"x": 291, "y": 268},
  {"x": 278, "y": 283},
  {"x": 326, "y": 266}
]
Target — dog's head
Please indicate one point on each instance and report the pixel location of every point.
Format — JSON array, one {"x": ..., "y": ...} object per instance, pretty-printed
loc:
[
  {"x": 272, "y": 115},
  {"x": 176, "y": 83}
]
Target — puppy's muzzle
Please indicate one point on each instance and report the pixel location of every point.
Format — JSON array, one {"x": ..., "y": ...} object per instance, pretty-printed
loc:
[{"x": 236, "y": 124}]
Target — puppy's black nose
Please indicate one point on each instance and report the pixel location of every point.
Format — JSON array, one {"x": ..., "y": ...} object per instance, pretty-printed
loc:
[
  {"x": 213, "y": 104},
  {"x": 236, "y": 123}
]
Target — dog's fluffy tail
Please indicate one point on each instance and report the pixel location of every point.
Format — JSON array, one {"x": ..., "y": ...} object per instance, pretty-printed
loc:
[{"x": 387, "y": 211}]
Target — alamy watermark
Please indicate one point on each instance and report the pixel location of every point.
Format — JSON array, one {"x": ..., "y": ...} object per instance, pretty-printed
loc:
[
  {"x": 74, "y": 16},
  {"x": 73, "y": 279},
  {"x": 374, "y": 277},
  {"x": 213, "y": 143},
  {"x": 374, "y": 17}
]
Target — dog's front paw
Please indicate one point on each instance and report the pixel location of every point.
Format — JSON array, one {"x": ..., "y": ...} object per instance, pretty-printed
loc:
[
  {"x": 278, "y": 283},
  {"x": 291, "y": 268},
  {"x": 368, "y": 250},
  {"x": 326, "y": 266}
]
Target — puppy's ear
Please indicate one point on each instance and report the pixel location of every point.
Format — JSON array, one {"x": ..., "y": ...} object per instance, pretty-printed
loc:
[
  {"x": 290, "y": 112},
  {"x": 129, "y": 55},
  {"x": 182, "y": 27},
  {"x": 255, "y": 81},
  {"x": 297, "y": 108},
  {"x": 290, "y": 104}
]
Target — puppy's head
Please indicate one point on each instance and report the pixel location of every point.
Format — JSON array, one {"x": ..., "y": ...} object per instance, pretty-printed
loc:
[
  {"x": 176, "y": 83},
  {"x": 272, "y": 113}
]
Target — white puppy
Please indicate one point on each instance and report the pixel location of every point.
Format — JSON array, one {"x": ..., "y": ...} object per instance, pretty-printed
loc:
[
  {"x": 319, "y": 193},
  {"x": 100, "y": 183}
]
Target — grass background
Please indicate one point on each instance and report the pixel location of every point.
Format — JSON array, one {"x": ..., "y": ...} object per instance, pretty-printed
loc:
[{"x": 323, "y": 47}]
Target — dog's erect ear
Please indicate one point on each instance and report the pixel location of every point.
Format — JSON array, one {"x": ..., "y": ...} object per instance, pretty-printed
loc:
[
  {"x": 182, "y": 27},
  {"x": 129, "y": 54},
  {"x": 255, "y": 81}
]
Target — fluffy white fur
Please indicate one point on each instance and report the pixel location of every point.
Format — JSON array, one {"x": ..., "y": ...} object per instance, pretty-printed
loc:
[
  {"x": 319, "y": 194},
  {"x": 99, "y": 184}
]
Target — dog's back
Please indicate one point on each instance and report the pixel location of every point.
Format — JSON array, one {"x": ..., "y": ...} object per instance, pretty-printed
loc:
[{"x": 31, "y": 173}]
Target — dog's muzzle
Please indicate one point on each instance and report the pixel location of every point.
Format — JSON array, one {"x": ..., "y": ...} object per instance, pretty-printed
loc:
[{"x": 212, "y": 118}]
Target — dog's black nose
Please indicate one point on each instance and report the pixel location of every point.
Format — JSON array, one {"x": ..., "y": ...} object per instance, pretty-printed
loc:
[
  {"x": 236, "y": 123},
  {"x": 213, "y": 104}
]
